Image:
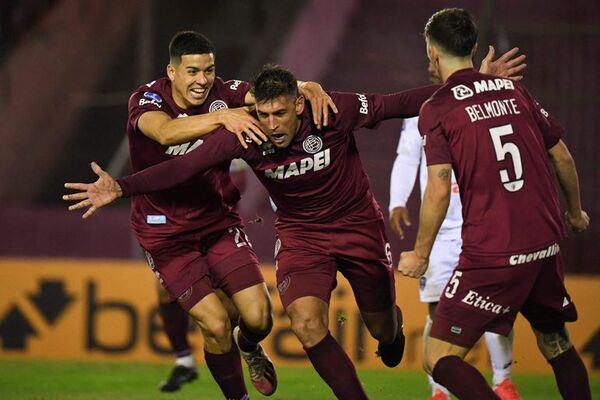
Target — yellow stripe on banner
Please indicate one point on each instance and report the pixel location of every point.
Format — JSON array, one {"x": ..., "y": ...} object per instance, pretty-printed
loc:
[{"x": 107, "y": 310}]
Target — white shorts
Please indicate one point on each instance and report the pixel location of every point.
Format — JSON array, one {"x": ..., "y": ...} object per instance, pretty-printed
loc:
[{"x": 442, "y": 261}]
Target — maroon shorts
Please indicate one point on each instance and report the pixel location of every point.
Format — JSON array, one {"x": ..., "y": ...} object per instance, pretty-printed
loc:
[
  {"x": 488, "y": 299},
  {"x": 190, "y": 267},
  {"x": 308, "y": 257}
]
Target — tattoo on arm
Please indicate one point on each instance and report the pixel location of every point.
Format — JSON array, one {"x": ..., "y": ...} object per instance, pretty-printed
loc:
[{"x": 445, "y": 174}]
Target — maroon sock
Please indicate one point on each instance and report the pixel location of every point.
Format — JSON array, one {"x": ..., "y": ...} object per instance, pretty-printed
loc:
[
  {"x": 247, "y": 339},
  {"x": 336, "y": 369},
  {"x": 175, "y": 323},
  {"x": 571, "y": 375},
  {"x": 462, "y": 379},
  {"x": 226, "y": 370}
]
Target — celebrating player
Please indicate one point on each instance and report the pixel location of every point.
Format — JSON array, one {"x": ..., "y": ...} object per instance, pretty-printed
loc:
[
  {"x": 497, "y": 140},
  {"x": 323, "y": 203}
]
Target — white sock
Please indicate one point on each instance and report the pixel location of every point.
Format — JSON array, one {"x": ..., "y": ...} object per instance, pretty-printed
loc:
[
  {"x": 187, "y": 361},
  {"x": 432, "y": 383},
  {"x": 500, "y": 349}
]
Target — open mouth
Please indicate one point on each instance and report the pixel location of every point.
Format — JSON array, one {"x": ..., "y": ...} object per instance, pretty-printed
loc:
[
  {"x": 198, "y": 93},
  {"x": 277, "y": 138}
]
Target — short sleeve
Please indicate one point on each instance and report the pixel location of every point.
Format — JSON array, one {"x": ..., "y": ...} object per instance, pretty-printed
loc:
[
  {"x": 437, "y": 150},
  {"x": 236, "y": 91},
  {"x": 550, "y": 128},
  {"x": 143, "y": 101}
]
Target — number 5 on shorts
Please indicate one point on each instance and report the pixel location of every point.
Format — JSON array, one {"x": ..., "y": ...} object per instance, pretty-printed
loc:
[{"x": 453, "y": 285}]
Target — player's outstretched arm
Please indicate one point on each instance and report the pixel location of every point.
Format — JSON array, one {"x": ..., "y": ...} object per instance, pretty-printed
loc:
[
  {"x": 320, "y": 102},
  {"x": 508, "y": 65},
  {"x": 93, "y": 195},
  {"x": 576, "y": 219}
]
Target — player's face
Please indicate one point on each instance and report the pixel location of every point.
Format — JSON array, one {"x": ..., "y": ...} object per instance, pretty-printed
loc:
[
  {"x": 192, "y": 79},
  {"x": 279, "y": 119}
]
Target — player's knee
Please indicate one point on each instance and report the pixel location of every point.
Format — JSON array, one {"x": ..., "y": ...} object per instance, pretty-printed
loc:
[
  {"x": 553, "y": 343},
  {"x": 259, "y": 319},
  {"x": 383, "y": 332},
  {"x": 309, "y": 329}
]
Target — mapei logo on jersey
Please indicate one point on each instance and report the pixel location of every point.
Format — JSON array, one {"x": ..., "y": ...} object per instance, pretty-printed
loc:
[
  {"x": 484, "y": 303},
  {"x": 184, "y": 148},
  {"x": 217, "y": 105},
  {"x": 235, "y": 84},
  {"x": 317, "y": 162},
  {"x": 312, "y": 144},
  {"x": 151, "y": 98},
  {"x": 461, "y": 92}
]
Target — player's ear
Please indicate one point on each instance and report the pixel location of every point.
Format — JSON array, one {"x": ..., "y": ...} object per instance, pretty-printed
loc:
[
  {"x": 171, "y": 71},
  {"x": 474, "y": 51},
  {"x": 299, "y": 104}
]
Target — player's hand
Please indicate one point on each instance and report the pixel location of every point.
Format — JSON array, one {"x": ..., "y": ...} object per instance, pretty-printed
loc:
[
  {"x": 412, "y": 265},
  {"x": 577, "y": 222},
  {"x": 398, "y": 217},
  {"x": 506, "y": 66},
  {"x": 94, "y": 195},
  {"x": 240, "y": 122},
  {"x": 320, "y": 102}
]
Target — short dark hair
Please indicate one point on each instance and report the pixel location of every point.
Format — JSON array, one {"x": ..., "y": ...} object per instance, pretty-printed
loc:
[
  {"x": 454, "y": 30},
  {"x": 273, "y": 81},
  {"x": 189, "y": 42}
]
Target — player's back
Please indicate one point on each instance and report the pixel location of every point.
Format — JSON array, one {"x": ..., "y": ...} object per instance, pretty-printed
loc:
[
  {"x": 497, "y": 140},
  {"x": 203, "y": 204}
]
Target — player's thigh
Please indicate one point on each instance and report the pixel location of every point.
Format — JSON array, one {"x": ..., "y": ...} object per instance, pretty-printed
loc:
[
  {"x": 548, "y": 305},
  {"x": 303, "y": 269},
  {"x": 233, "y": 265},
  {"x": 181, "y": 270},
  {"x": 442, "y": 262},
  {"x": 481, "y": 300}
]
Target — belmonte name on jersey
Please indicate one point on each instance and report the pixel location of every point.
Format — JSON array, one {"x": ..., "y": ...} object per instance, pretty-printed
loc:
[{"x": 316, "y": 162}]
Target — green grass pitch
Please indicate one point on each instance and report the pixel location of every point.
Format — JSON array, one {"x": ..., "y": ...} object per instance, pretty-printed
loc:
[{"x": 49, "y": 380}]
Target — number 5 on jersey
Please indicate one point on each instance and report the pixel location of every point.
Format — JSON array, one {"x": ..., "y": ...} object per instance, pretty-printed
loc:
[{"x": 507, "y": 148}]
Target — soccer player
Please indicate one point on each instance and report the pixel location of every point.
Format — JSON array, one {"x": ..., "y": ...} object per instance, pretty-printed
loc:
[
  {"x": 504, "y": 149},
  {"x": 192, "y": 237},
  {"x": 444, "y": 255},
  {"x": 324, "y": 203}
]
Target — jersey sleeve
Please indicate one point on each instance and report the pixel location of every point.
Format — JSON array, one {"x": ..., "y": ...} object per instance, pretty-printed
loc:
[
  {"x": 236, "y": 91},
  {"x": 551, "y": 129},
  {"x": 142, "y": 101},
  {"x": 218, "y": 147},
  {"x": 435, "y": 143},
  {"x": 358, "y": 110},
  {"x": 406, "y": 164}
]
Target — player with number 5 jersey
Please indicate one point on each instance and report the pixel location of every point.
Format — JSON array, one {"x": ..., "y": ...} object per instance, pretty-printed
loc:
[{"x": 499, "y": 142}]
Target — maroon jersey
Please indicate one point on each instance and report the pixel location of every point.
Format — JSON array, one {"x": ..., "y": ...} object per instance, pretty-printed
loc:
[
  {"x": 497, "y": 138},
  {"x": 203, "y": 203},
  {"x": 319, "y": 178}
]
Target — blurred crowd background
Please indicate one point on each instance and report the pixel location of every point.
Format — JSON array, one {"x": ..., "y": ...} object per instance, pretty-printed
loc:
[{"x": 67, "y": 69}]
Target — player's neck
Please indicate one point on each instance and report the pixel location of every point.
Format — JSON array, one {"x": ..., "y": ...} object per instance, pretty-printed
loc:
[{"x": 451, "y": 65}]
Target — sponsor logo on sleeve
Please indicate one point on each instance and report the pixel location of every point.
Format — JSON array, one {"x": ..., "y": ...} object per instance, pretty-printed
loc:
[
  {"x": 151, "y": 98},
  {"x": 461, "y": 92},
  {"x": 312, "y": 144},
  {"x": 235, "y": 84},
  {"x": 217, "y": 105},
  {"x": 364, "y": 104}
]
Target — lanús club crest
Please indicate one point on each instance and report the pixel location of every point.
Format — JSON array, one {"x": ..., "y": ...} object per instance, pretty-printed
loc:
[
  {"x": 217, "y": 105},
  {"x": 312, "y": 144}
]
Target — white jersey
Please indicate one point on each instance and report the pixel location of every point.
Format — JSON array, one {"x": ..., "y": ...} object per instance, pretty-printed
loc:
[{"x": 410, "y": 157}]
